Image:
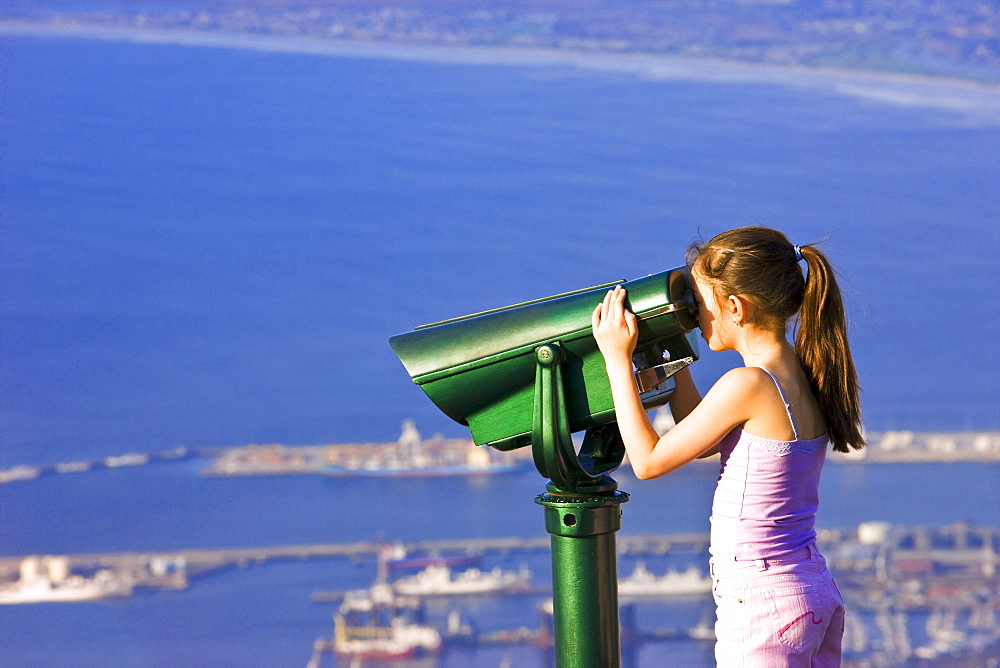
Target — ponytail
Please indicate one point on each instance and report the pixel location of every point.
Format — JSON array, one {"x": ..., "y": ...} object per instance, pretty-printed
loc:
[
  {"x": 763, "y": 266},
  {"x": 823, "y": 350}
]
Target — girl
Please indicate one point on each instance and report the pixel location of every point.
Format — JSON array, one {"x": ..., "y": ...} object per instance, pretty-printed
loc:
[{"x": 771, "y": 420}]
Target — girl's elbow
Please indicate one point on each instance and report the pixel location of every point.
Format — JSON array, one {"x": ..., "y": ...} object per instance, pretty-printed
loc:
[{"x": 645, "y": 472}]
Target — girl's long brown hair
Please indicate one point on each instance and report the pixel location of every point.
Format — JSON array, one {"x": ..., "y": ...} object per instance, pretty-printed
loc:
[{"x": 760, "y": 264}]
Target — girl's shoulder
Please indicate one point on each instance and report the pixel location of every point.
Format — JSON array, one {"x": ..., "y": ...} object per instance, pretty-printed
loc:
[
  {"x": 750, "y": 388},
  {"x": 737, "y": 389},
  {"x": 745, "y": 379}
]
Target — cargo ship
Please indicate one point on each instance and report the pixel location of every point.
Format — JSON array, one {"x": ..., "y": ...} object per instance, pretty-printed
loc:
[
  {"x": 410, "y": 457},
  {"x": 642, "y": 583},
  {"x": 379, "y": 624},
  {"x": 439, "y": 580},
  {"x": 48, "y": 580}
]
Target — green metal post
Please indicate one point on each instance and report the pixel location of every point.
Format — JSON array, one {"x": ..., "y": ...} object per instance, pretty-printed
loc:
[
  {"x": 584, "y": 577},
  {"x": 582, "y": 514}
]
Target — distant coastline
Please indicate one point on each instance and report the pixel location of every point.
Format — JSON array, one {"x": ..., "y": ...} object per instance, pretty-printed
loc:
[
  {"x": 945, "y": 93},
  {"x": 413, "y": 456}
]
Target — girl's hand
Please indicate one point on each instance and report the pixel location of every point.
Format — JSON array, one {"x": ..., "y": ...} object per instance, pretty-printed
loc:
[{"x": 615, "y": 327}]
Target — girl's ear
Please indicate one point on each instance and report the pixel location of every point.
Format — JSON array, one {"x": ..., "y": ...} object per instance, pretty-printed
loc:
[{"x": 737, "y": 308}]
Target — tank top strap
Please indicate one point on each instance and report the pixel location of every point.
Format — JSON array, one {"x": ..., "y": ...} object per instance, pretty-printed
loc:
[{"x": 788, "y": 407}]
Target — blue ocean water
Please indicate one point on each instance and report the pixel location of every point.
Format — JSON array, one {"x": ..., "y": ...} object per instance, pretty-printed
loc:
[
  {"x": 207, "y": 246},
  {"x": 211, "y": 246}
]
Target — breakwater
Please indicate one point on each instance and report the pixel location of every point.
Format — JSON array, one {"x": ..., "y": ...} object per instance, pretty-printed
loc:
[
  {"x": 277, "y": 459},
  {"x": 23, "y": 472},
  {"x": 875, "y": 556}
]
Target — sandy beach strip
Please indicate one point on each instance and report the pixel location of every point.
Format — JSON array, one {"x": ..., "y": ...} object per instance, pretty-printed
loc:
[{"x": 981, "y": 100}]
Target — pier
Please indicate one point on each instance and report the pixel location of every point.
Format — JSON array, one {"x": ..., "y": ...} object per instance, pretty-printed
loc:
[
  {"x": 197, "y": 562},
  {"x": 141, "y": 567},
  {"x": 874, "y": 554}
]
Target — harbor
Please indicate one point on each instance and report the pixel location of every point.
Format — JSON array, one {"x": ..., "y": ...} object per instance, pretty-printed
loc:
[
  {"x": 890, "y": 576},
  {"x": 894, "y": 579},
  {"x": 918, "y": 595}
]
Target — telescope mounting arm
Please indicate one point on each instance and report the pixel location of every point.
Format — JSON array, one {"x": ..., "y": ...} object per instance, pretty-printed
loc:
[{"x": 551, "y": 443}]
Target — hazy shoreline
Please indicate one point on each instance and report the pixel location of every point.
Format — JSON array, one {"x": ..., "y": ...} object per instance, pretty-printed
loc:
[
  {"x": 949, "y": 94},
  {"x": 887, "y": 447}
]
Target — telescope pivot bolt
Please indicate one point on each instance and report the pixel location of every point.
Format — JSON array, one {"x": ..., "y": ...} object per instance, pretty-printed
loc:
[{"x": 548, "y": 354}]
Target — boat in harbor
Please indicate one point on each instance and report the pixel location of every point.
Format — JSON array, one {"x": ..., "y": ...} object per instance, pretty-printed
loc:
[
  {"x": 704, "y": 630},
  {"x": 439, "y": 580},
  {"x": 47, "y": 580},
  {"x": 74, "y": 588},
  {"x": 380, "y": 624},
  {"x": 673, "y": 583}
]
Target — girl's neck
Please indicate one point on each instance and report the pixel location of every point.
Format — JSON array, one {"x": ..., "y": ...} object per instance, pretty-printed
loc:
[{"x": 762, "y": 347}]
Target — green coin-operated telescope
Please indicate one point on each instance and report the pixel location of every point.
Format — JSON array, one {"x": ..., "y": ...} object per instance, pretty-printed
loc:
[
  {"x": 532, "y": 374},
  {"x": 511, "y": 373}
]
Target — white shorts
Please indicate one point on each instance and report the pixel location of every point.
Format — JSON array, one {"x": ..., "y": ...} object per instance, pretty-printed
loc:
[{"x": 777, "y": 612}]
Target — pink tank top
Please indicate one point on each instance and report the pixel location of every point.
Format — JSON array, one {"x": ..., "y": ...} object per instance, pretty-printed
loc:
[{"x": 767, "y": 495}]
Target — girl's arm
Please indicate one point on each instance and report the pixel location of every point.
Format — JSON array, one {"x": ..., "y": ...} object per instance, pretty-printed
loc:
[
  {"x": 684, "y": 400},
  {"x": 703, "y": 423},
  {"x": 685, "y": 396}
]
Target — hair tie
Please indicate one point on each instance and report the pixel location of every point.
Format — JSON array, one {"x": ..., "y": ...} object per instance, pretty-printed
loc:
[{"x": 798, "y": 254}]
